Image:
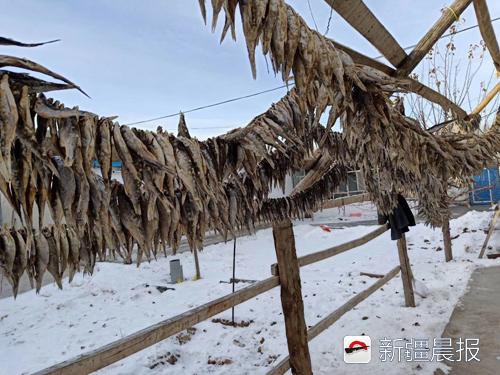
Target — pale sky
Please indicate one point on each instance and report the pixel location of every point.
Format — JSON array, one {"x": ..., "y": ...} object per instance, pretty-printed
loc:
[{"x": 144, "y": 59}]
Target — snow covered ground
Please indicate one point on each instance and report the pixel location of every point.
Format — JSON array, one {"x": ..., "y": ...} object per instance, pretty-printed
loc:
[{"x": 37, "y": 331}]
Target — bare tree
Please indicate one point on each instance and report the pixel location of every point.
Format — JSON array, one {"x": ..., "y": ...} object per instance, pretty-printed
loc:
[{"x": 454, "y": 72}]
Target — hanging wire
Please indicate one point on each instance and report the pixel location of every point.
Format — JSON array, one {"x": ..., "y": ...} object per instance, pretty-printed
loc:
[
  {"x": 212, "y": 105},
  {"x": 444, "y": 36},
  {"x": 329, "y": 21},
  {"x": 312, "y": 15}
]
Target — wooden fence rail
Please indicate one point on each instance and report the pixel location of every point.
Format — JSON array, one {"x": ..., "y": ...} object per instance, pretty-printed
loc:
[
  {"x": 115, "y": 351},
  {"x": 335, "y": 250},
  {"x": 340, "y": 202},
  {"x": 284, "y": 365}
]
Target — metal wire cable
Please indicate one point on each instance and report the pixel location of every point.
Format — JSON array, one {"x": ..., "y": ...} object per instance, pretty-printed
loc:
[
  {"x": 212, "y": 105},
  {"x": 444, "y": 36}
]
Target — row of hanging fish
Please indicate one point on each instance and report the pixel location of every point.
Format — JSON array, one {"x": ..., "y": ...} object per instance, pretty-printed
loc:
[{"x": 173, "y": 186}]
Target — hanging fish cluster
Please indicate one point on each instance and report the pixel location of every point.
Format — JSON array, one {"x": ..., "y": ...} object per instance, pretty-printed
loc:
[
  {"x": 173, "y": 186},
  {"x": 394, "y": 153}
]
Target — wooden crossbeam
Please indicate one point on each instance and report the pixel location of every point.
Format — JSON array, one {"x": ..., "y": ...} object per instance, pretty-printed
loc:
[
  {"x": 364, "y": 21},
  {"x": 415, "y": 86},
  {"x": 487, "y": 32},
  {"x": 305, "y": 260},
  {"x": 341, "y": 202},
  {"x": 450, "y": 14},
  {"x": 361, "y": 59}
]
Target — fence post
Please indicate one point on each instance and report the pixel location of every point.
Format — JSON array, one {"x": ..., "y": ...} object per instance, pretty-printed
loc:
[
  {"x": 291, "y": 297},
  {"x": 406, "y": 274},
  {"x": 447, "y": 240}
]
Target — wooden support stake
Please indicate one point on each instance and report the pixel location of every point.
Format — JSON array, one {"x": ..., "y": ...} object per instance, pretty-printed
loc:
[
  {"x": 490, "y": 230},
  {"x": 447, "y": 240},
  {"x": 291, "y": 298},
  {"x": 406, "y": 274}
]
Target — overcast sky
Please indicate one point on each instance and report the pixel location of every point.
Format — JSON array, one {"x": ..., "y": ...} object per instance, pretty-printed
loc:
[{"x": 144, "y": 59}]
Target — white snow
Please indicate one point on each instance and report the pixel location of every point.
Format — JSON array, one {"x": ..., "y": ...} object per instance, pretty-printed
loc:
[{"x": 37, "y": 331}]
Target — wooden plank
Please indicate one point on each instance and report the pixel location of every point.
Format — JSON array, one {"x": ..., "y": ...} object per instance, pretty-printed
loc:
[
  {"x": 341, "y": 202},
  {"x": 369, "y": 274},
  {"x": 448, "y": 254},
  {"x": 335, "y": 250},
  {"x": 115, "y": 351},
  {"x": 414, "y": 85},
  {"x": 406, "y": 274},
  {"x": 291, "y": 298},
  {"x": 284, "y": 365},
  {"x": 448, "y": 17},
  {"x": 359, "y": 16},
  {"x": 491, "y": 229},
  {"x": 487, "y": 31}
]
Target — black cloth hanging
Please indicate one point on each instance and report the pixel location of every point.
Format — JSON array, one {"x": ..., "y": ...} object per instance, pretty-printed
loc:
[{"x": 400, "y": 219}]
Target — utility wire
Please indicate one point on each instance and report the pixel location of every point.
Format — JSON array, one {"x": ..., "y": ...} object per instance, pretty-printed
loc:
[
  {"x": 329, "y": 21},
  {"x": 444, "y": 36},
  {"x": 212, "y": 105},
  {"x": 312, "y": 14},
  {"x": 273, "y": 89}
]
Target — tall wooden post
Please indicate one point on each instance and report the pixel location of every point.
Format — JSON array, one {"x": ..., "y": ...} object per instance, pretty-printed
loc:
[
  {"x": 291, "y": 298},
  {"x": 447, "y": 240},
  {"x": 406, "y": 274}
]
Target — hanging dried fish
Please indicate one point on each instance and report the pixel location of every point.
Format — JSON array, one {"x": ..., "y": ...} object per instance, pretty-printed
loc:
[
  {"x": 41, "y": 260},
  {"x": 8, "y": 123}
]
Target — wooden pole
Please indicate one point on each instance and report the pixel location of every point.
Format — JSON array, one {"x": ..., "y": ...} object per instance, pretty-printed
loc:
[
  {"x": 406, "y": 274},
  {"x": 196, "y": 264},
  {"x": 490, "y": 230},
  {"x": 359, "y": 16},
  {"x": 447, "y": 240},
  {"x": 291, "y": 298},
  {"x": 487, "y": 99},
  {"x": 234, "y": 276},
  {"x": 487, "y": 31},
  {"x": 449, "y": 16}
]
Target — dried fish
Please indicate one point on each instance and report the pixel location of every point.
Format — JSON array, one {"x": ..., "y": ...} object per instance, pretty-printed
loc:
[
  {"x": 8, "y": 122},
  {"x": 41, "y": 259}
]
